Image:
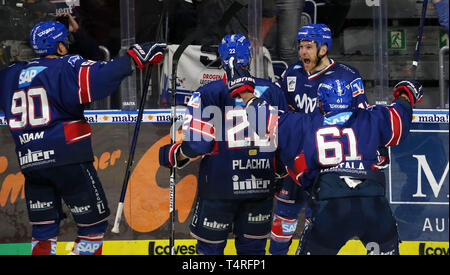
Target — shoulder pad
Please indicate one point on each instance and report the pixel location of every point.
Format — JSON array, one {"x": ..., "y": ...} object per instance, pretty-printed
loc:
[
  {"x": 72, "y": 59},
  {"x": 348, "y": 68}
]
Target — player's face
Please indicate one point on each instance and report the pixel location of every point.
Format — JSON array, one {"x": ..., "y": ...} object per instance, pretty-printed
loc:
[
  {"x": 62, "y": 49},
  {"x": 308, "y": 54}
]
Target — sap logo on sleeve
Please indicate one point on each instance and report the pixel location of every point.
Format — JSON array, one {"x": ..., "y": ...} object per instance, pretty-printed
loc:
[
  {"x": 194, "y": 101},
  {"x": 27, "y": 75},
  {"x": 73, "y": 59}
]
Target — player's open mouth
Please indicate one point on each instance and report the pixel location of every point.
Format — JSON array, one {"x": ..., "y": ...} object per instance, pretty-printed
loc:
[{"x": 306, "y": 61}]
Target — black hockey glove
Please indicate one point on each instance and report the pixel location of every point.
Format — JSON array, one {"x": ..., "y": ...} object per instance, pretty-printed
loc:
[
  {"x": 383, "y": 158},
  {"x": 238, "y": 78},
  {"x": 148, "y": 52},
  {"x": 412, "y": 88},
  {"x": 168, "y": 156}
]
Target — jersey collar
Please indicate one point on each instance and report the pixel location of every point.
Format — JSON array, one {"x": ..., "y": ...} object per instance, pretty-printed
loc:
[{"x": 316, "y": 74}]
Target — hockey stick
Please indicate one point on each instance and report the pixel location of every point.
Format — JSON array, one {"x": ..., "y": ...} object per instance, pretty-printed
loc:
[
  {"x": 119, "y": 212},
  {"x": 235, "y": 6},
  {"x": 173, "y": 129},
  {"x": 415, "y": 62}
]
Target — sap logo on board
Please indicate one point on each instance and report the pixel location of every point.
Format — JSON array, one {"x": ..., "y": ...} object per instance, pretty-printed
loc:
[{"x": 88, "y": 247}]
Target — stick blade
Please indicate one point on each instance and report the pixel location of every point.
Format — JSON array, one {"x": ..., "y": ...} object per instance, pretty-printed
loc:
[{"x": 115, "y": 228}]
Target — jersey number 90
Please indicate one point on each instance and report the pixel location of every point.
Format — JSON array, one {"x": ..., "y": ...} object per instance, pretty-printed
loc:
[{"x": 25, "y": 108}]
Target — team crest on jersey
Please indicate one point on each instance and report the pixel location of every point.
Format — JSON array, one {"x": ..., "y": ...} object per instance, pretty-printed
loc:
[
  {"x": 73, "y": 59},
  {"x": 27, "y": 75},
  {"x": 194, "y": 101},
  {"x": 291, "y": 83},
  {"x": 357, "y": 87}
]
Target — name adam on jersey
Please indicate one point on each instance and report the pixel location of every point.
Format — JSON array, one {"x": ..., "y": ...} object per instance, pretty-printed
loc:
[{"x": 27, "y": 137}]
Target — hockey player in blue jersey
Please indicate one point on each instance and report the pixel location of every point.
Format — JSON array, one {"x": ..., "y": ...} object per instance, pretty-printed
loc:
[
  {"x": 333, "y": 154},
  {"x": 300, "y": 80},
  {"x": 299, "y": 83},
  {"x": 44, "y": 98},
  {"x": 236, "y": 174}
]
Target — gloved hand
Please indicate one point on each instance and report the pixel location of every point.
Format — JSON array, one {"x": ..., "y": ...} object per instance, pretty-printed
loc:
[
  {"x": 383, "y": 158},
  {"x": 168, "y": 156},
  {"x": 238, "y": 78},
  {"x": 412, "y": 88},
  {"x": 148, "y": 52}
]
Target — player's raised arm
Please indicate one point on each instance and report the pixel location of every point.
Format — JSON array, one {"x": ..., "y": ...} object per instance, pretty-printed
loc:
[
  {"x": 98, "y": 79},
  {"x": 398, "y": 116}
]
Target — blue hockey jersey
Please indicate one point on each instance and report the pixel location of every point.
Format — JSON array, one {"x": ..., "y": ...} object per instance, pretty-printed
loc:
[
  {"x": 236, "y": 163},
  {"x": 344, "y": 143},
  {"x": 43, "y": 100},
  {"x": 300, "y": 87}
]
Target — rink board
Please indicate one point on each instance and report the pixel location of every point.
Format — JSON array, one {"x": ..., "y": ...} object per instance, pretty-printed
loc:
[{"x": 187, "y": 247}]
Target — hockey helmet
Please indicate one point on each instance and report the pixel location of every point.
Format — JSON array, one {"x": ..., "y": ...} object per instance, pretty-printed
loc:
[
  {"x": 320, "y": 33},
  {"x": 235, "y": 45},
  {"x": 45, "y": 35},
  {"x": 335, "y": 95}
]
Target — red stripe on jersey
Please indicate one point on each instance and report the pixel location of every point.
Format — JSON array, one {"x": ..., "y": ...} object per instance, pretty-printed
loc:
[
  {"x": 203, "y": 127},
  {"x": 76, "y": 130},
  {"x": 84, "y": 90},
  {"x": 396, "y": 127},
  {"x": 272, "y": 122}
]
